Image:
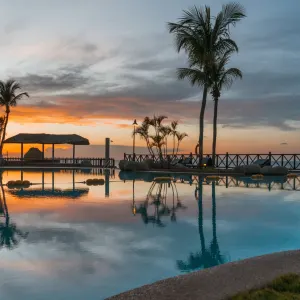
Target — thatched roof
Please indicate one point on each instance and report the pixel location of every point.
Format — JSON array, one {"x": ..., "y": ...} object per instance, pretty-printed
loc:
[
  {"x": 33, "y": 154},
  {"x": 43, "y": 138}
]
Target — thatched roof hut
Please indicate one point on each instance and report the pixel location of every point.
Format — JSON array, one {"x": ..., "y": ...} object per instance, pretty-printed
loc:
[
  {"x": 33, "y": 154},
  {"x": 43, "y": 138}
]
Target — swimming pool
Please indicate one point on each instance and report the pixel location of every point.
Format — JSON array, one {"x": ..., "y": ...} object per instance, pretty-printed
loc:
[{"x": 61, "y": 238}]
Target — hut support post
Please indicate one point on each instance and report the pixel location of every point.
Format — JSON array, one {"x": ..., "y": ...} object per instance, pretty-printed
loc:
[
  {"x": 43, "y": 150},
  {"x": 73, "y": 153},
  {"x": 22, "y": 152},
  {"x": 52, "y": 152}
]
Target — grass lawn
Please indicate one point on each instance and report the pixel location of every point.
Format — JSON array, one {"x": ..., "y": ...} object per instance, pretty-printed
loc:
[{"x": 286, "y": 287}]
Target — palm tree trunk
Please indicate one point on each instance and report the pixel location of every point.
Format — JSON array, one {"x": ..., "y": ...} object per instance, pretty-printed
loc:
[
  {"x": 201, "y": 124},
  {"x": 200, "y": 215},
  {"x": 173, "y": 144},
  {"x": 214, "y": 145},
  {"x": 7, "y": 111},
  {"x": 177, "y": 147},
  {"x": 166, "y": 146}
]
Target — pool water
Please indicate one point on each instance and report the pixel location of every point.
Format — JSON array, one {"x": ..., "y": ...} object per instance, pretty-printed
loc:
[{"x": 61, "y": 238}]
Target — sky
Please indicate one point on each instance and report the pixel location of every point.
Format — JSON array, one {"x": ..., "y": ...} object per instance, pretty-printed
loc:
[{"x": 92, "y": 67}]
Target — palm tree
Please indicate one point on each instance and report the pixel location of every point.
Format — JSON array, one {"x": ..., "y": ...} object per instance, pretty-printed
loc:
[
  {"x": 180, "y": 137},
  {"x": 8, "y": 98},
  {"x": 203, "y": 38},
  {"x": 10, "y": 235},
  {"x": 165, "y": 132},
  {"x": 174, "y": 126},
  {"x": 143, "y": 132},
  {"x": 221, "y": 78},
  {"x": 158, "y": 142}
]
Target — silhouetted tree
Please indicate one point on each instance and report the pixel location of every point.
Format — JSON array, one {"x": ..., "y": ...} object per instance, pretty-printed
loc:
[
  {"x": 204, "y": 38},
  {"x": 10, "y": 235},
  {"x": 9, "y": 98},
  {"x": 221, "y": 78}
]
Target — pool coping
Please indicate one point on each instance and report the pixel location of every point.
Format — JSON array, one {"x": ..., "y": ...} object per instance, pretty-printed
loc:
[{"x": 221, "y": 282}]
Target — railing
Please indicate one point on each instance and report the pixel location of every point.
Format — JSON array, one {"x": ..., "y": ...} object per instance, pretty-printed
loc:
[
  {"x": 227, "y": 161},
  {"x": 82, "y": 162},
  {"x": 92, "y": 171},
  {"x": 289, "y": 184}
]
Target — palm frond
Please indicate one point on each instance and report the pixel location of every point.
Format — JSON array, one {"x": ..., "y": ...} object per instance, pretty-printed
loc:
[
  {"x": 229, "y": 76},
  {"x": 195, "y": 76}
]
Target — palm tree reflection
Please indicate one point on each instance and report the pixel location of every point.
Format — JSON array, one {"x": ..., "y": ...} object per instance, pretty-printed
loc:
[
  {"x": 207, "y": 257},
  {"x": 157, "y": 198},
  {"x": 10, "y": 235}
]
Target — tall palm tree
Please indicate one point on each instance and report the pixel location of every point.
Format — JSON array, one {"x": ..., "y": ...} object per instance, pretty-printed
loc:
[
  {"x": 9, "y": 98},
  {"x": 221, "y": 78},
  {"x": 203, "y": 38},
  {"x": 10, "y": 234}
]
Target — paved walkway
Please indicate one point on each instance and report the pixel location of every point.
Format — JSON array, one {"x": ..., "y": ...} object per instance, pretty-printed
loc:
[{"x": 219, "y": 282}]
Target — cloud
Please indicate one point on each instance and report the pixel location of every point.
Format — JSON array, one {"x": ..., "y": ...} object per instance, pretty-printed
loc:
[
  {"x": 64, "y": 79},
  {"x": 143, "y": 81}
]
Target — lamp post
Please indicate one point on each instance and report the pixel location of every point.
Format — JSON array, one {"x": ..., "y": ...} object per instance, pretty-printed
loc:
[{"x": 133, "y": 148}]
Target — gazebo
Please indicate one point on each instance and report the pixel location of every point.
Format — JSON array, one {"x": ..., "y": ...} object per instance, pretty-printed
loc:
[{"x": 47, "y": 139}]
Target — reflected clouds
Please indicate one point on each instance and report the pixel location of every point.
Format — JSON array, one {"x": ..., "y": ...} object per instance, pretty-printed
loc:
[{"x": 80, "y": 247}]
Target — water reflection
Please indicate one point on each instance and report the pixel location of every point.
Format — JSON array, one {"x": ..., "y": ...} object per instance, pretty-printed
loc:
[
  {"x": 10, "y": 234},
  {"x": 207, "y": 257},
  {"x": 158, "y": 198},
  {"x": 38, "y": 189}
]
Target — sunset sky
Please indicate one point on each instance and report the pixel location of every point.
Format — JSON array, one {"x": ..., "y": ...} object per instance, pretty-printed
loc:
[{"x": 91, "y": 67}]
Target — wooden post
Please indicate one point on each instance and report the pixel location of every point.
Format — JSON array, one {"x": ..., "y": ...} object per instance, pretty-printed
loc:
[
  {"x": 270, "y": 158},
  {"x": 43, "y": 150},
  {"x": 73, "y": 178},
  {"x": 106, "y": 172},
  {"x": 73, "y": 154},
  {"x": 43, "y": 180},
  {"x": 294, "y": 161},
  {"x": 52, "y": 181},
  {"x": 22, "y": 152},
  {"x": 107, "y": 154},
  {"x": 52, "y": 152}
]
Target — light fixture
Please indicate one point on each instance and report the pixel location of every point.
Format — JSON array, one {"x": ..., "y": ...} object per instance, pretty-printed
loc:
[{"x": 134, "y": 122}]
